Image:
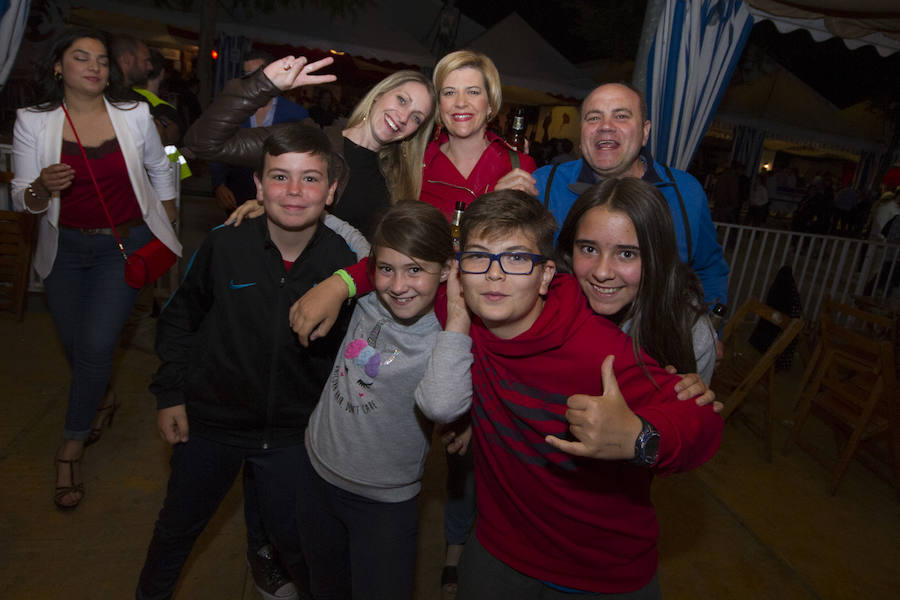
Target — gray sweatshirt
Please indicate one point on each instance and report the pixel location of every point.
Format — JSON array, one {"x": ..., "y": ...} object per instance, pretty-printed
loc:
[
  {"x": 704, "y": 340},
  {"x": 370, "y": 432}
]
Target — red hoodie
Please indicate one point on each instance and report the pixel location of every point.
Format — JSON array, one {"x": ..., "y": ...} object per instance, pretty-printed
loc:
[{"x": 581, "y": 523}]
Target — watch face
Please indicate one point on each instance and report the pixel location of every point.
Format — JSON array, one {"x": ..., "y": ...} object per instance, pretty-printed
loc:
[
  {"x": 646, "y": 447},
  {"x": 651, "y": 448}
]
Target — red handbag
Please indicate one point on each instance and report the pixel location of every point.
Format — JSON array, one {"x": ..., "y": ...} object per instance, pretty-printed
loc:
[
  {"x": 145, "y": 265},
  {"x": 148, "y": 264}
]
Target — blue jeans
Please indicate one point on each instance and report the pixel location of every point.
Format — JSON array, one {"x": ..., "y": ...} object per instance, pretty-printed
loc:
[
  {"x": 202, "y": 473},
  {"x": 90, "y": 303},
  {"x": 459, "y": 509}
]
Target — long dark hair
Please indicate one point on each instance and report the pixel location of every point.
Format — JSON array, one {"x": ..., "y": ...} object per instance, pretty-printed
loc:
[
  {"x": 50, "y": 91},
  {"x": 669, "y": 299}
]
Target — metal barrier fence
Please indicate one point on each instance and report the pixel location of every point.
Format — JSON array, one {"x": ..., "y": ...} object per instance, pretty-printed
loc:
[{"x": 823, "y": 265}]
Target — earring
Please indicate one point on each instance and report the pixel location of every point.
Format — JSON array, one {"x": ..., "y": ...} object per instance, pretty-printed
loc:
[
  {"x": 107, "y": 84},
  {"x": 58, "y": 76}
]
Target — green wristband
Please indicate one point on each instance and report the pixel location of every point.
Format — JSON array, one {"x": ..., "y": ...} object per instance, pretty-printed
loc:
[{"x": 351, "y": 286}]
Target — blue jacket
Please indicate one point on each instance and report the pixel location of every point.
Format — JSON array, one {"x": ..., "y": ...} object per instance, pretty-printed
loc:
[
  {"x": 705, "y": 258},
  {"x": 240, "y": 179}
]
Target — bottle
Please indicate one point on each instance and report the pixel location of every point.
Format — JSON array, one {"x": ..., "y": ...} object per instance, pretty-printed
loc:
[
  {"x": 454, "y": 224},
  {"x": 717, "y": 315},
  {"x": 516, "y": 137}
]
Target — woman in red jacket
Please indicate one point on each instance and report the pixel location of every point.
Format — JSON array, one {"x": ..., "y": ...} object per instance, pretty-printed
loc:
[{"x": 466, "y": 160}]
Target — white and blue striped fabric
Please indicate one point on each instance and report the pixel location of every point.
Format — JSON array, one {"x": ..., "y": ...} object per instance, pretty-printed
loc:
[
  {"x": 13, "y": 18},
  {"x": 747, "y": 148},
  {"x": 697, "y": 45},
  {"x": 229, "y": 65},
  {"x": 866, "y": 170}
]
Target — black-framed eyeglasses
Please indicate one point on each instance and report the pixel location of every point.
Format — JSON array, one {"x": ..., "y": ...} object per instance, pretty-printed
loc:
[{"x": 511, "y": 263}]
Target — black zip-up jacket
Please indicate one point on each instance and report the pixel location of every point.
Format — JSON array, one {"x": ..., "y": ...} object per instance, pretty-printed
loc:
[{"x": 227, "y": 349}]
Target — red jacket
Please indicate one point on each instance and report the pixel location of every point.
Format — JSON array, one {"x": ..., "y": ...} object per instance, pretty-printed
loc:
[
  {"x": 443, "y": 186},
  {"x": 581, "y": 523}
]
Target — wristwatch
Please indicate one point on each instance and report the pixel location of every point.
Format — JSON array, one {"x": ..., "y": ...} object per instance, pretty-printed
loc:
[{"x": 646, "y": 446}]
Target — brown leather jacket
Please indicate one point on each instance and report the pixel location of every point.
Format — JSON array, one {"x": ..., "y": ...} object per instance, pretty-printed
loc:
[{"x": 217, "y": 135}]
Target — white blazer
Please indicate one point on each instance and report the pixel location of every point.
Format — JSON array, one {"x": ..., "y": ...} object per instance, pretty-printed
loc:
[{"x": 37, "y": 143}]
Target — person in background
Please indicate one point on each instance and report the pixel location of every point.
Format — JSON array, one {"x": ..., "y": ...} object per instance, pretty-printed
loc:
[
  {"x": 233, "y": 185},
  {"x": 564, "y": 148},
  {"x": 759, "y": 201},
  {"x": 885, "y": 227},
  {"x": 77, "y": 254},
  {"x": 133, "y": 57},
  {"x": 726, "y": 196},
  {"x": 165, "y": 115},
  {"x": 845, "y": 202},
  {"x": 323, "y": 111}
]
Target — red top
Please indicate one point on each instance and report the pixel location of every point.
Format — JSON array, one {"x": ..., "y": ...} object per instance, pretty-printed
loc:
[
  {"x": 80, "y": 206},
  {"x": 443, "y": 185}
]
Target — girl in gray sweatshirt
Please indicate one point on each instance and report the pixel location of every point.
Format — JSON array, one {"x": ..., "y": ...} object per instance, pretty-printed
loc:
[{"x": 369, "y": 435}]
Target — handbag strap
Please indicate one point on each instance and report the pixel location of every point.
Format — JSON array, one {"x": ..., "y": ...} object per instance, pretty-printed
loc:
[{"x": 96, "y": 185}]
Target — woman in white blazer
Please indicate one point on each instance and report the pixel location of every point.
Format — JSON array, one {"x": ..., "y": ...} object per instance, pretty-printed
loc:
[{"x": 77, "y": 255}]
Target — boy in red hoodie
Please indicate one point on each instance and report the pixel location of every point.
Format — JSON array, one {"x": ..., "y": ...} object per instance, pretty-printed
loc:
[{"x": 563, "y": 478}]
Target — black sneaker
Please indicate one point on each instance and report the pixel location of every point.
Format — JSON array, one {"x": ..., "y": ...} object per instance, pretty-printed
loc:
[{"x": 272, "y": 581}]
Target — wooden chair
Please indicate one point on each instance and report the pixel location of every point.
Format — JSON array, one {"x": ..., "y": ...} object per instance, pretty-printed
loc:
[
  {"x": 741, "y": 371},
  {"x": 852, "y": 388},
  {"x": 17, "y": 233}
]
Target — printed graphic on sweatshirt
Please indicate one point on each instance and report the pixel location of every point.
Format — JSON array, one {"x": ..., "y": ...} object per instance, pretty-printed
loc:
[{"x": 356, "y": 372}]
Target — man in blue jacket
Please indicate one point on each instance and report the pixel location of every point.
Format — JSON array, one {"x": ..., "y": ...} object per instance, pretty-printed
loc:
[
  {"x": 614, "y": 132},
  {"x": 233, "y": 185}
]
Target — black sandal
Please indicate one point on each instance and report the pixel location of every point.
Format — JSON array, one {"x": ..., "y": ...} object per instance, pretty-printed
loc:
[
  {"x": 64, "y": 490},
  {"x": 104, "y": 418}
]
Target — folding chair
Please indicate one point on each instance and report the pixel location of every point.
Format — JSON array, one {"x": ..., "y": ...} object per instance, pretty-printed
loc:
[
  {"x": 741, "y": 371},
  {"x": 17, "y": 233},
  {"x": 853, "y": 387}
]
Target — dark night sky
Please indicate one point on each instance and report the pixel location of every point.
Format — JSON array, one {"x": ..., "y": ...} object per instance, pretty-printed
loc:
[{"x": 583, "y": 30}]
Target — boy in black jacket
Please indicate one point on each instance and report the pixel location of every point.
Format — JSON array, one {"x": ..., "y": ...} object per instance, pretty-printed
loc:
[{"x": 233, "y": 375}]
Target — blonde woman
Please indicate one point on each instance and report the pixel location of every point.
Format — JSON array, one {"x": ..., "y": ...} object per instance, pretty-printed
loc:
[
  {"x": 466, "y": 160},
  {"x": 383, "y": 143}
]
